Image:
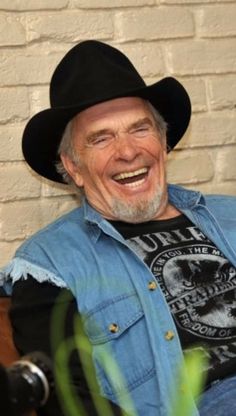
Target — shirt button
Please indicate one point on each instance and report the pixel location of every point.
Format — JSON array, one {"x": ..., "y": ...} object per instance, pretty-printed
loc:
[
  {"x": 169, "y": 335},
  {"x": 113, "y": 328},
  {"x": 152, "y": 285}
]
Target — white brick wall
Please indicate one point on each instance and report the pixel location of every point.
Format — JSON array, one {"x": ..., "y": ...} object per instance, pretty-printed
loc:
[{"x": 193, "y": 40}]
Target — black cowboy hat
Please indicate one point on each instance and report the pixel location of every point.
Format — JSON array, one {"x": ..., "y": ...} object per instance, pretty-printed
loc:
[{"x": 90, "y": 73}]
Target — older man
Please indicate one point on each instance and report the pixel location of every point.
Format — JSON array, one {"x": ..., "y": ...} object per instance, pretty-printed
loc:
[{"x": 151, "y": 267}]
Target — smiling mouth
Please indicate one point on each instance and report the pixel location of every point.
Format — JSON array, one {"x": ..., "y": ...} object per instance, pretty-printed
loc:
[{"x": 134, "y": 178}]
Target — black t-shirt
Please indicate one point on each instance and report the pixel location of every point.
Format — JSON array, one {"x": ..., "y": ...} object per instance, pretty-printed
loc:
[
  {"x": 199, "y": 285},
  {"x": 198, "y": 282}
]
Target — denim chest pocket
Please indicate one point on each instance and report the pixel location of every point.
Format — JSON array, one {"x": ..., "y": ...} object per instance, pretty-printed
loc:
[{"x": 118, "y": 333}]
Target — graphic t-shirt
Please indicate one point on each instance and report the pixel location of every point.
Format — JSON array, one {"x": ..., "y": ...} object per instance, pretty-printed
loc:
[{"x": 199, "y": 285}]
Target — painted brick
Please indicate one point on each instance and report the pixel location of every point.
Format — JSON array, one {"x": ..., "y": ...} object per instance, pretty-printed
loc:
[
  {"x": 226, "y": 163},
  {"x": 74, "y": 26},
  {"x": 20, "y": 5},
  {"x": 19, "y": 219},
  {"x": 14, "y": 68},
  {"x": 14, "y": 104},
  {"x": 189, "y": 167},
  {"x": 154, "y": 23},
  {"x": 10, "y": 139},
  {"x": 12, "y": 32},
  {"x": 210, "y": 130},
  {"x": 30, "y": 215},
  {"x": 222, "y": 92},
  {"x": 97, "y": 4},
  {"x": 217, "y": 21},
  {"x": 202, "y": 57},
  {"x": 222, "y": 188},
  {"x": 7, "y": 250},
  {"x": 192, "y": 2},
  {"x": 196, "y": 89},
  {"x": 39, "y": 98},
  {"x": 50, "y": 188},
  {"x": 16, "y": 182},
  {"x": 146, "y": 57}
]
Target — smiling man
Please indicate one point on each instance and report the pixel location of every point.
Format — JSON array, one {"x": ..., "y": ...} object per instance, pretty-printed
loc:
[
  {"x": 120, "y": 164},
  {"x": 150, "y": 267}
]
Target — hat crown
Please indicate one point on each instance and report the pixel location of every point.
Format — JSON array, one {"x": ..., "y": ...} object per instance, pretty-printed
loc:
[{"x": 92, "y": 72}]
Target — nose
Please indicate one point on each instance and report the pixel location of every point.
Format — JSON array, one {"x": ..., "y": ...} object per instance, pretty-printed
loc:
[{"x": 126, "y": 148}]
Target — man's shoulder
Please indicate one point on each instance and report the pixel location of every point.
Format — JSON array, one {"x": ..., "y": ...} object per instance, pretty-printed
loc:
[
  {"x": 225, "y": 199},
  {"x": 44, "y": 255},
  {"x": 224, "y": 205},
  {"x": 187, "y": 198}
]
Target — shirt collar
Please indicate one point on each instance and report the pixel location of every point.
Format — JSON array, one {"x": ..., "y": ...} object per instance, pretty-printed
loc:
[
  {"x": 98, "y": 224},
  {"x": 184, "y": 198}
]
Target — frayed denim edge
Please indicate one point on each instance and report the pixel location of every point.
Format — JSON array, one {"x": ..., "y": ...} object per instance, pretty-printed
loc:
[{"x": 20, "y": 269}]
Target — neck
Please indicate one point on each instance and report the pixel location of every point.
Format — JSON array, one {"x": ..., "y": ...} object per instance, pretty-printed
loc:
[{"x": 170, "y": 212}]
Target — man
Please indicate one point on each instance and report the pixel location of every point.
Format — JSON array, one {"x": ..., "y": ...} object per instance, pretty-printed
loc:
[{"x": 151, "y": 267}]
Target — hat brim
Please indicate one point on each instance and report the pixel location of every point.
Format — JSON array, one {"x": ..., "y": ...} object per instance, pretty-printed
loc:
[{"x": 42, "y": 134}]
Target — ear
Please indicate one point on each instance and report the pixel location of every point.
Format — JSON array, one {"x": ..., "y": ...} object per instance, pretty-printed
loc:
[{"x": 72, "y": 169}]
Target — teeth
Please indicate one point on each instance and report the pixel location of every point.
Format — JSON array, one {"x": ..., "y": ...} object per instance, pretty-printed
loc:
[
  {"x": 134, "y": 184},
  {"x": 125, "y": 175}
]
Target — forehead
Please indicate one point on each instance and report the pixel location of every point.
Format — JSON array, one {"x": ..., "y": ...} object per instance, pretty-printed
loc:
[{"x": 117, "y": 110}]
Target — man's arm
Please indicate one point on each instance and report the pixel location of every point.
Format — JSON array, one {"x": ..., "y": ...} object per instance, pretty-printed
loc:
[{"x": 32, "y": 305}]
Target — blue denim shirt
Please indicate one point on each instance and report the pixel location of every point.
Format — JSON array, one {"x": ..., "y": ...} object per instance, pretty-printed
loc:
[{"x": 121, "y": 315}]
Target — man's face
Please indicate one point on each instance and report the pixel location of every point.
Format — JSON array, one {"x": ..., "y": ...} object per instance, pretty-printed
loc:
[{"x": 121, "y": 160}]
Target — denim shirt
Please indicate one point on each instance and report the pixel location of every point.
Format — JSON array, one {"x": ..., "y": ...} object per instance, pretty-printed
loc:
[{"x": 123, "y": 318}]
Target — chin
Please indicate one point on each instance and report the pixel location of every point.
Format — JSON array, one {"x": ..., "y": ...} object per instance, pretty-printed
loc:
[{"x": 142, "y": 211}]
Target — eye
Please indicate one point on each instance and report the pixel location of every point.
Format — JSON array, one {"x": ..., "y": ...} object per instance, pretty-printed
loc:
[
  {"x": 142, "y": 131},
  {"x": 100, "y": 140}
]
